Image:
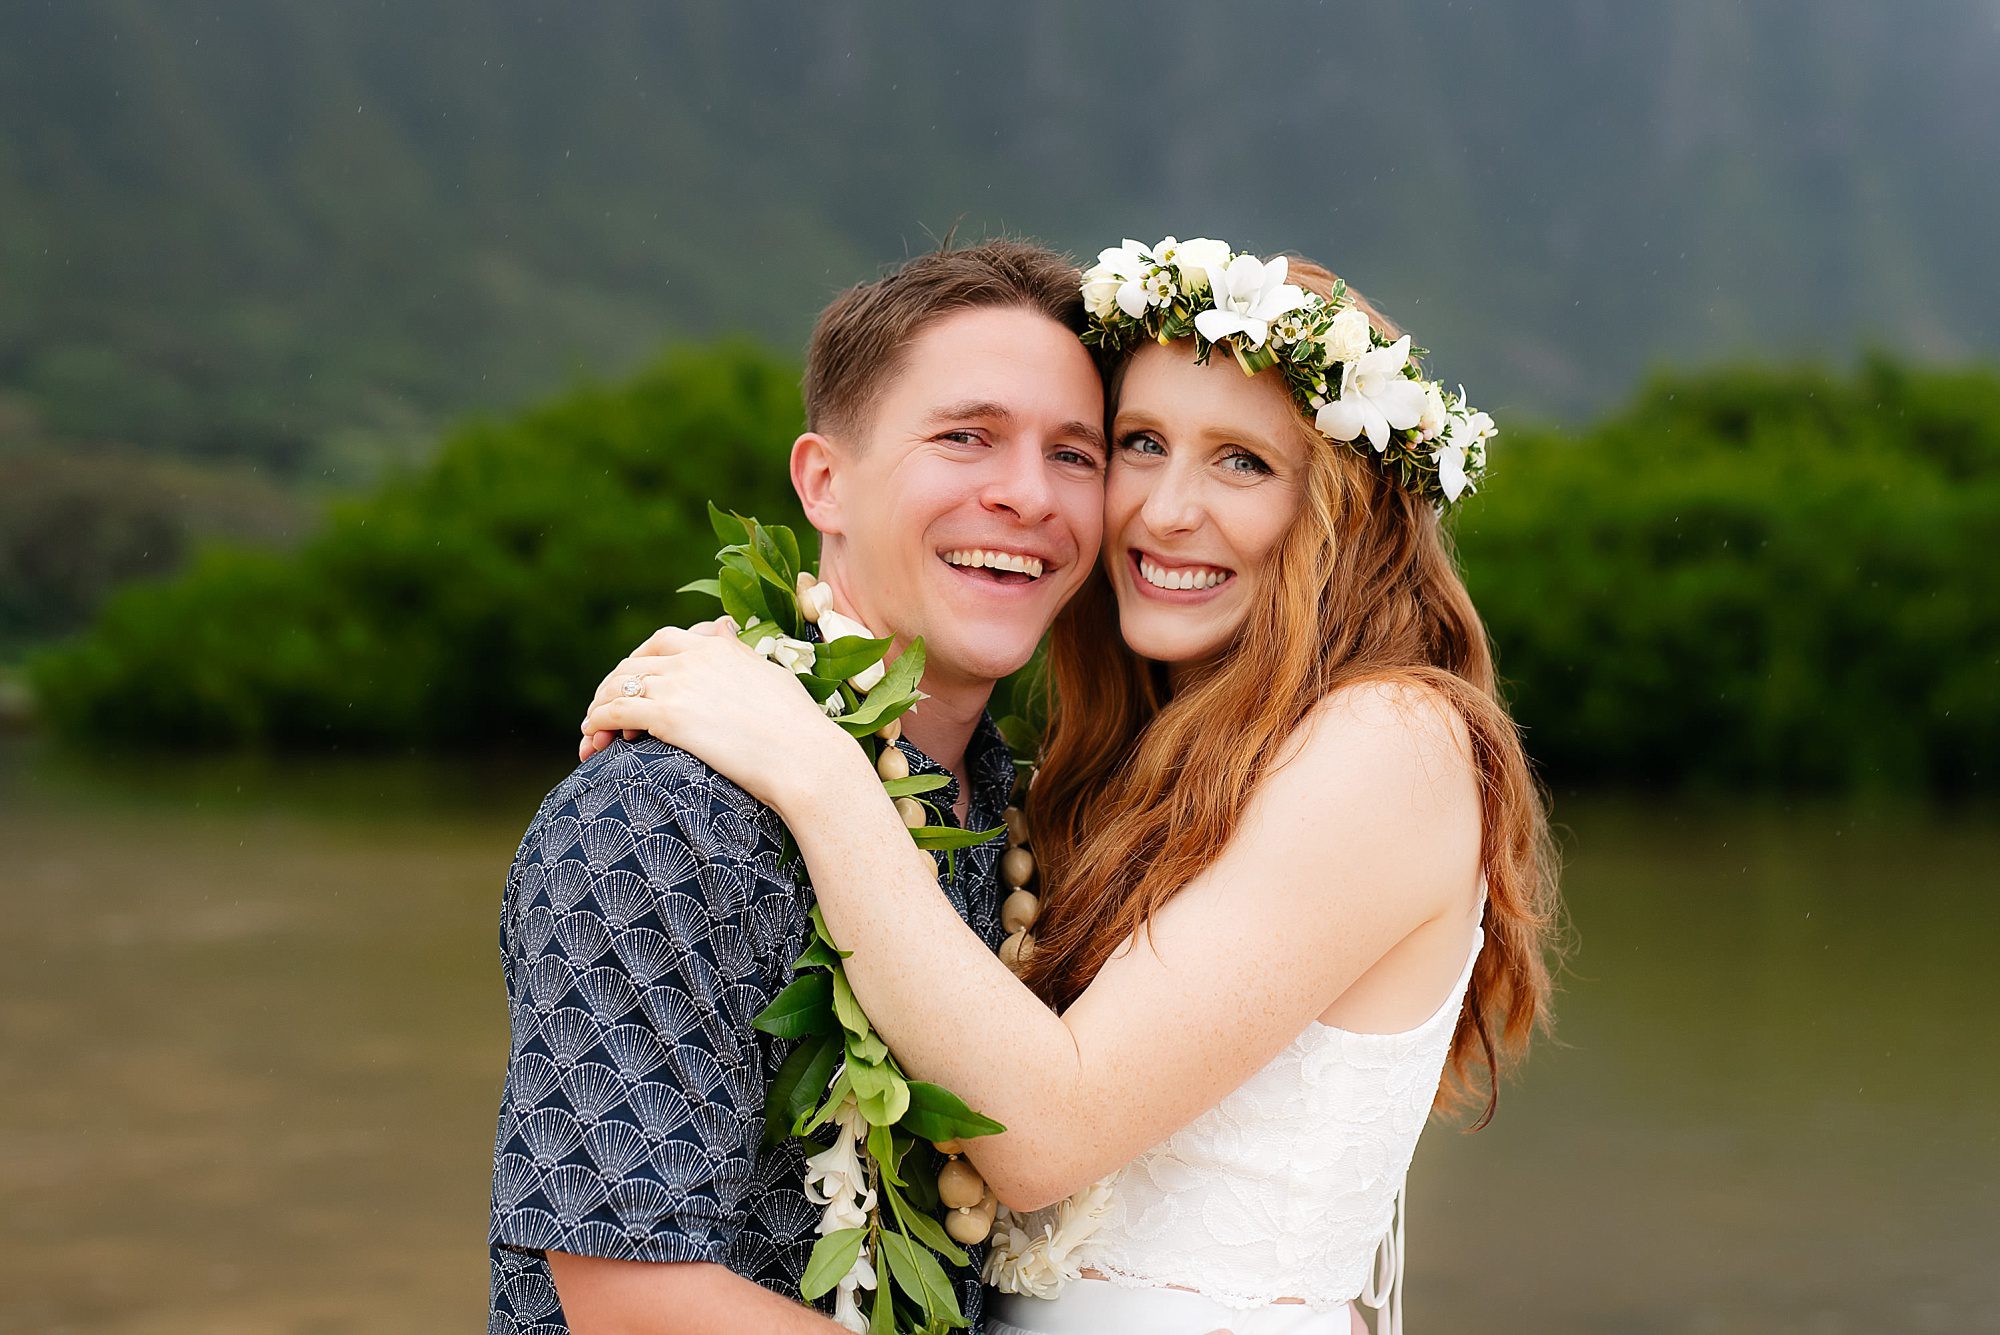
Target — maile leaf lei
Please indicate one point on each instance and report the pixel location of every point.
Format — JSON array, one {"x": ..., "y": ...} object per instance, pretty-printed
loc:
[{"x": 839, "y": 1056}]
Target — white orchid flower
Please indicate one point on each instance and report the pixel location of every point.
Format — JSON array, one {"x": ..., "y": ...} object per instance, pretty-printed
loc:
[
  {"x": 788, "y": 653},
  {"x": 1347, "y": 337},
  {"x": 1375, "y": 397},
  {"x": 1035, "y": 1255},
  {"x": 1116, "y": 281},
  {"x": 833, "y": 626},
  {"x": 1248, "y": 295},
  {"x": 1463, "y": 450},
  {"x": 1193, "y": 260},
  {"x": 1434, "y": 419}
]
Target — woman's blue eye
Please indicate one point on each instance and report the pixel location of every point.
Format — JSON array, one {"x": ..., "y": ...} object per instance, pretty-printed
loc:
[
  {"x": 1250, "y": 463},
  {"x": 1141, "y": 443}
]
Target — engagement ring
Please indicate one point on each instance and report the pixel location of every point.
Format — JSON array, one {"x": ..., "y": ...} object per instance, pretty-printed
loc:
[{"x": 633, "y": 686}]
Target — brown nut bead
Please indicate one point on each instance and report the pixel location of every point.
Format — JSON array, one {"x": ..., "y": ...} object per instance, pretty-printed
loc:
[
  {"x": 948, "y": 1147},
  {"x": 891, "y": 730},
  {"x": 913, "y": 813},
  {"x": 892, "y": 763},
  {"x": 967, "y": 1227},
  {"x": 1016, "y": 950},
  {"x": 960, "y": 1186},
  {"x": 1017, "y": 826},
  {"x": 1017, "y": 867},
  {"x": 1018, "y": 914}
]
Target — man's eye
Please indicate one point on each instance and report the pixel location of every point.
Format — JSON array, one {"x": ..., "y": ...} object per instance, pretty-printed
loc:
[
  {"x": 965, "y": 437},
  {"x": 1070, "y": 456}
]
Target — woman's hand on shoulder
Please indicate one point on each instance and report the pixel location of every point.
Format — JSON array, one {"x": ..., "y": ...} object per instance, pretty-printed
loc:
[{"x": 705, "y": 691}]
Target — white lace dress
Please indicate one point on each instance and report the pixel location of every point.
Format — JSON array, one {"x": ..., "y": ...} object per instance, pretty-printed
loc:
[{"x": 1291, "y": 1187}]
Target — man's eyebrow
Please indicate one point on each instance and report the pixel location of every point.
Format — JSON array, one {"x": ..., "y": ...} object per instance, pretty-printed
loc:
[
  {"x": 1092, "y": 436},
  {"x": 958, "y": 412},
  {"x": 993, "y": 411}
]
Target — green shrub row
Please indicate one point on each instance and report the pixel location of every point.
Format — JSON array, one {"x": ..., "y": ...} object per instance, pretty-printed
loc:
[{"x": 1750, "y": 578}]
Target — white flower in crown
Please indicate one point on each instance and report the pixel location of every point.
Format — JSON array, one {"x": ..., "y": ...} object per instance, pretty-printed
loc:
[
  {"x": 1193, "y": 260},
  {"x": 1248, "y": 295},
  {"x": 1116, "y": 282},
  {"x": 1347, "y": 338},
  {"x": 1375, "y": 397},
  {"x": 1160, "y": 289},
  {"x": 1434, "y": 419},
  {"x": 788, "y": 653},
  {"x": 1462, "y": 453},
  {"x": 834, "y": 626}
]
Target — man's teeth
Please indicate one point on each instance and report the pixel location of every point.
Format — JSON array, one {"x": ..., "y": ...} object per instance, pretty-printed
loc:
[
  {"x": 1191, "y": 577},
  {"x": 977, "y": 557}
]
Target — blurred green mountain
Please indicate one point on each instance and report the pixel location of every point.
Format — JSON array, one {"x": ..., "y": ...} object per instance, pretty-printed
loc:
[{"x": 294, "y": 240}]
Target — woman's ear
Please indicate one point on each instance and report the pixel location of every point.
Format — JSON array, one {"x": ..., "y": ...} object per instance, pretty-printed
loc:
[{"x": 816, "y": 465}]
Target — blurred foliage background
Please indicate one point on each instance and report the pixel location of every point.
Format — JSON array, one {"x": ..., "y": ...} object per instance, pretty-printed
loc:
[{"x": 333, "y": 405}]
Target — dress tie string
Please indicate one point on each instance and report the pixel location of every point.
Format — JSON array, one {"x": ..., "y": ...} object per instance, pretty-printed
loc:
[{"x": 1384, "y": 1289}]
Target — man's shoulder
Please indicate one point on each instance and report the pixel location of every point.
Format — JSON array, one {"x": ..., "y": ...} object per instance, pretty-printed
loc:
[{"x": 649, "y": 785}]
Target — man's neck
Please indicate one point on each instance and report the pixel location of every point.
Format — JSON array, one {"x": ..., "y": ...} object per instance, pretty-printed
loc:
[{"x": 942, "y": 724}]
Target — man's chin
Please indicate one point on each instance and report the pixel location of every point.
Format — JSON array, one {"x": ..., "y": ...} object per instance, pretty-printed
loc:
[{"x": 983, "y": 657}]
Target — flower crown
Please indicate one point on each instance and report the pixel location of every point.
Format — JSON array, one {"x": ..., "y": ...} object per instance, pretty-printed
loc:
[{"x": 1355, "y": 386}]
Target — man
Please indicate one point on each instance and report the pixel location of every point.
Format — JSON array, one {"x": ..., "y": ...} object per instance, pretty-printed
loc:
[{"x": 953, "y": 464}]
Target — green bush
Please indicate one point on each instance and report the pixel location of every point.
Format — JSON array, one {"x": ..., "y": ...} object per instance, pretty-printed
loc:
[
  {"x": 1755, "y": 578},
  {"x": 469, "y": 604},
  {"x": 1758, "y": 578}
]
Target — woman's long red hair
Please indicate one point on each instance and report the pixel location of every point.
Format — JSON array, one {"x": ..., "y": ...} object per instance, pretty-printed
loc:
[{"x": 1139, "y": 788}]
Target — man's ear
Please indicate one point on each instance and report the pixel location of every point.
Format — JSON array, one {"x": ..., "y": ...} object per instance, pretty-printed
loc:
[{"x": 816, "y": 466}]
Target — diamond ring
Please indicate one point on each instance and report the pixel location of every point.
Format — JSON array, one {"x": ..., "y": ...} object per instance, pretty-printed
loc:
[{"x": 632, "y": 686}]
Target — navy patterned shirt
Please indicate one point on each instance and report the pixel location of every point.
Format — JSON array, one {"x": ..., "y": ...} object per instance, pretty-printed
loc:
[{"x": 649, "y": 915}]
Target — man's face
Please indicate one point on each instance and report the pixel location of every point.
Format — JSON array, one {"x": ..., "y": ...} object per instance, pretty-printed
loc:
[{"x": 969, "y": 506}]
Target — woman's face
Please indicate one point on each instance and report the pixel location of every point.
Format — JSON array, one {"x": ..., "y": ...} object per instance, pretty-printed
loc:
[{"x": 1208, "y": 471}]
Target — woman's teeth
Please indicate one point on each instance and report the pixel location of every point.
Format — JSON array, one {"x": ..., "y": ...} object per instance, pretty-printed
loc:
[
  {"x": 977, "y": 558},
  {"x": 1189, "y": 577}
]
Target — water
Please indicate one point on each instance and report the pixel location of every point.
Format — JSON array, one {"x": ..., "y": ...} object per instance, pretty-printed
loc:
[{"x": 251, "y": 1036}]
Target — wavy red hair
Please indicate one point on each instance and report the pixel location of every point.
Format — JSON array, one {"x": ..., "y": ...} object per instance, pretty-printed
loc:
[{"x": 1140, "y": 788}]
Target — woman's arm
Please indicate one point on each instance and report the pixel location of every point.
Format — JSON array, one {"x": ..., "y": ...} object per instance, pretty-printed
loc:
[{"x": 1365, "y": 833}]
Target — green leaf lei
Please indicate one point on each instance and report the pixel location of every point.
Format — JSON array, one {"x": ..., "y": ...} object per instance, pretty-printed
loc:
[{"x": 839, "y": 1054}]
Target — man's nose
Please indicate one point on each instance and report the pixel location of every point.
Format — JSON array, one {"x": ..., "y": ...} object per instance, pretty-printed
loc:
[{"x": 1020, "y": 483}]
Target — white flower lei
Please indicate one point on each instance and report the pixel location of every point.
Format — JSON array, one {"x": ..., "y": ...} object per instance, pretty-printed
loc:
[{"x": 1356, "y": 387}]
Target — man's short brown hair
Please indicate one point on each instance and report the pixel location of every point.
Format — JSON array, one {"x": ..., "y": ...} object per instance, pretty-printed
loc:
[{"x": 860, "y": 339}]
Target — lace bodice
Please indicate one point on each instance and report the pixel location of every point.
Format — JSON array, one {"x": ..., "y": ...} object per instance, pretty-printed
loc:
[{"x": 1287, "y": 1188}]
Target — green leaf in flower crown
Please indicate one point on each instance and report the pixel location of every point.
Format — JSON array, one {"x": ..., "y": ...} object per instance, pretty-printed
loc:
[
  {"x": 804, "y": 1007},
  {"x": 788, "y": 547},
  {"x": 935, "y": 1114},
  {"x": 847, "y": 1009},
  {"x": 708, "y": 586},
  {"x": 729, "y": 528},
  {"x": 832, "y": 1257},
  {"x": 848, "y": 655},
  {"x": 914, "y": 784},
  {"x": 800, "y": 1082},
  {"x": 895, "y": 693},
  {"x": 947, "y": 836}
]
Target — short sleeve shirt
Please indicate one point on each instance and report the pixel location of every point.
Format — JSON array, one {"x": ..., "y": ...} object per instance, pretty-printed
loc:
[{"x": 649, "y": 915}]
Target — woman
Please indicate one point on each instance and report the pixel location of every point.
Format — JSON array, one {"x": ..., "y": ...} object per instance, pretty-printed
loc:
[{"x": 1294, "y": 868}]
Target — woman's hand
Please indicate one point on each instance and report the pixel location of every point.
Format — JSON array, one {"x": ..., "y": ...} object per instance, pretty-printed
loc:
[{"x": 743, "y": 715}]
